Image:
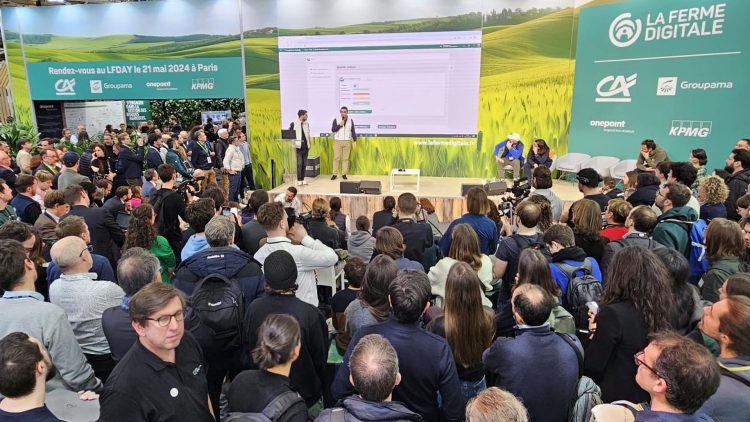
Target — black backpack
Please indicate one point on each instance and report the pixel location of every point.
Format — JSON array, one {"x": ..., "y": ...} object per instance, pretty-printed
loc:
[
  {"x": 157, "y": 201},
  {"x": 524, "y": 243},
  {"x": 272, "y": 412},
  {"x": 216, "y": 310},
  {"x": 583, "y": 287}
]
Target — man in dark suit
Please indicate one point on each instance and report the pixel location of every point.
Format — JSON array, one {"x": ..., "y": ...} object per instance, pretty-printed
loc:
[
  {"x": 119, "y": 202},
  {"x": 106, "y": 236}
]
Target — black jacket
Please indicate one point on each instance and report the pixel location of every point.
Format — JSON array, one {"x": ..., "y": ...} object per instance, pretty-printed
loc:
[
  {"x": 632, "y": 239},
  {"x": 417, "y": 238},
  {"x": 358, "y": 409},
  {"x": 319, "y": 230},
  {"x": 130, "y": 163},
  {"x": 106, "y": 236},
  {"x": 380, "y": 219},
  {"x": 737, "y": 184},
  {"x": 153, "y": 158},
  {"x": 644, "y": 196}
]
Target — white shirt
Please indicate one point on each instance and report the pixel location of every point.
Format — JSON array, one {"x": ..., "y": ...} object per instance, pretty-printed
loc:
[
  {"x": 295, "y": 203},
  {"x": 233, "y": 159},
  {"x": 311, "y": 255},
  {"x": 345, "y": 133}
]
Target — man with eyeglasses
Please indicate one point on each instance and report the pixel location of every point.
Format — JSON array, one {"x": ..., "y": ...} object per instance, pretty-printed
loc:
[
  {"x": 679, "y": 376},
  {"x": 163, "y": 376},
  {"x": 84, "y": 299},
  {"x": 23, "y": 309}
]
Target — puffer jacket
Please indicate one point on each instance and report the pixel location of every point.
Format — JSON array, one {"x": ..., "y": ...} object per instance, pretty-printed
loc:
[
  {"x": 358, "y": 409},
  {"x": 227, "y": 261},
  {"x": 361, "y": 244},
  {"x": 673, "y": 229}
]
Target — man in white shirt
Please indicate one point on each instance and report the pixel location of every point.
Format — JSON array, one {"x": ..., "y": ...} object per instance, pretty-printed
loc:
[
  {"x": 23, "y": 158},
  {"x": 309, "y": 254},
  {"x": 344, "y": 138},
  {"x": 289, "y": 200}
]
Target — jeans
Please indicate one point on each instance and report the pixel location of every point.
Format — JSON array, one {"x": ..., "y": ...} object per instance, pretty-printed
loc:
[
  {"x": 301, "y": 163},
  {"x": 247, "y": 179},
  {"x": 234, "y": 185},
  {"x": 469, "y": 389}
]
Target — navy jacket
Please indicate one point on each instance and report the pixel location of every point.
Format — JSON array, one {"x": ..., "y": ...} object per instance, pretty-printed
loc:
[
  {"x": 486, "y": 231},
  {"x": 130, "y": 163},
  {"x": 106, "y": 236},
  {"x": 153, "y": 158},
  {"x": 27, "y": 209},
  {"x": 427, "y": 367},
  {"x": 227, "y": 261},
  {"x": 358, "y": 409},
  {"x": 538, "y": 367},
  {"x": 644, "y": 196},
  {"x": 199, "y": 156}
]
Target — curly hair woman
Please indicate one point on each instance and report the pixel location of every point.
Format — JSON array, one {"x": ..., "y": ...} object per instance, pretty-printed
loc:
[
  {"x": 142, "y": 233},
  {"x": 712, "y": 192}
]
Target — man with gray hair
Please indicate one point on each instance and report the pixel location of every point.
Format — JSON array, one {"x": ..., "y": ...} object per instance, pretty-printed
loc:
[
  {"x": 136, "y": 268},
  {"x": 373, "y": 371},
  {"x": 84, "y": 299},
  {"x": 220, "y": 146},
  {"x": 494, "y": 404},
  {"x": 222, "y": 259}
]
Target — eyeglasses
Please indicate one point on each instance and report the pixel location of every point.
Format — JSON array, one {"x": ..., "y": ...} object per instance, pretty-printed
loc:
[
  {"x": 164, "y": 320},
  {"x": 88, "y": 248},
  {"x": 641, "y": 362}
]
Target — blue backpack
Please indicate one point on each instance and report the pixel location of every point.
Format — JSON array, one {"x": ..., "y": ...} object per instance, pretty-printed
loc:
[{"x": 697, "y": 253}]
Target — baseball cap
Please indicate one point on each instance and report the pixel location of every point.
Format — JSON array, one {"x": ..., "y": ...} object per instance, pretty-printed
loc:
[
  {"x": 589, "y": 177},
  {"x": 70, "y": 158},
  {"x": 514, "y": 136}
]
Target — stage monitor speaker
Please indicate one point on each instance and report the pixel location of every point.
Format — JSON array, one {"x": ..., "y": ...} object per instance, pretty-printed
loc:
[
  {"x": 370, "y": 187},
  {"x": 466, "y": 186},
  {"x": 348, "y": 187},
  {"x": 495, "y": 188}
]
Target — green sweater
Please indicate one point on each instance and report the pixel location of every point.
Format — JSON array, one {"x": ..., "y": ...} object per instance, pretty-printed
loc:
[
  {"x": 715, "y": 277},
  {"x": 164, "y": 253}
]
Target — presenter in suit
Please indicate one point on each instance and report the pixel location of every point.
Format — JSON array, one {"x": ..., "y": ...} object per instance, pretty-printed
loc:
[
  {"x": 344, "y": 138},
  {"x": 301, "y": 144}
]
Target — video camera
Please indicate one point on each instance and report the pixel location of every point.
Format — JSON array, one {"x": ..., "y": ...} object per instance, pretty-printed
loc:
[
  {"x": 182, "y": 187},
  {"x": 292, "y": 217},
  {"x": 521, "y": 190}
]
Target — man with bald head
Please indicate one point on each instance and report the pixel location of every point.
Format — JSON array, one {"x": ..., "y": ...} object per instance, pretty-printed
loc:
[
  {"x": 84, "y": 299},
  {"x": 546, "y": 388}
]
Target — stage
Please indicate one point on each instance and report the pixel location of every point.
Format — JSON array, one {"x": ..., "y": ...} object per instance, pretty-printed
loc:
[{"x": 443, "y": 192}]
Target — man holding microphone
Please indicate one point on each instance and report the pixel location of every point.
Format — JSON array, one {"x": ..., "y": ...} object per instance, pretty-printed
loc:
[{"x": 343, "y": 137}]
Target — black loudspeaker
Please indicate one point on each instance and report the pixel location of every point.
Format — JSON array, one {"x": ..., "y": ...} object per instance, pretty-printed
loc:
[
  {"x": 370, "y": 187},
  {"x": 466, "y": 186},
  {"x": 348, "y": 187},
  {"x": 496, "y": 188}
]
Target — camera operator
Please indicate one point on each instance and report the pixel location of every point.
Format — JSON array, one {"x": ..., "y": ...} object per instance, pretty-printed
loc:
[{"x": 170, "y": 205}]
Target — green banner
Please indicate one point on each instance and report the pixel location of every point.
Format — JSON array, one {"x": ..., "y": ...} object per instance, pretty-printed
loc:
[
  {"x": 137, "y": 111},
  {"x": 674, "y": 71},
  {"x": 214, "y": 77}
]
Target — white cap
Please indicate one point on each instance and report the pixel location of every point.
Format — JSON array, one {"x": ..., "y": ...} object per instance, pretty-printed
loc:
[{"x": 514, "y": 136}]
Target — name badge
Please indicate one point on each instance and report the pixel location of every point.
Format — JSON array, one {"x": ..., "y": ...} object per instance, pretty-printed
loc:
[{"x": 208, "y": 159}]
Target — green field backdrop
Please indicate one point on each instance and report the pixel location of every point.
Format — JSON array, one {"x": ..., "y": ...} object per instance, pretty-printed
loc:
[{"x": 526, "y": 84}]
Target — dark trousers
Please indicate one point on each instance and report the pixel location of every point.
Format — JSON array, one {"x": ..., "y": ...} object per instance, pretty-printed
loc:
[
  {"x": 301, "y": 163},
  {"x": 101, "y": 364},
  {"x": 246, "y": 181}
]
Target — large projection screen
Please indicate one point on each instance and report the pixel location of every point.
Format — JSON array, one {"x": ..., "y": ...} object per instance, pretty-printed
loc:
[{"x": 423, "y": 84}]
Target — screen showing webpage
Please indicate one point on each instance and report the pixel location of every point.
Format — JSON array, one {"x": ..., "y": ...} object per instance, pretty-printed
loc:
[{"x": 423, "y": 84}]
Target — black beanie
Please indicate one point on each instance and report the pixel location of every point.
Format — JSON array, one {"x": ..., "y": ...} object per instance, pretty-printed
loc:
[{"x": 280, "y": 270}]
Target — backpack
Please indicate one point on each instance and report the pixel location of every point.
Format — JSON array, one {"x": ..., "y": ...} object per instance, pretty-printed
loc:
[
  {"x": 583, "y": 287},
  {"x": 272, "y": 412},
  {"x": 157, "y": 201},
  {"x": 217, "y": 307},
  {"x": 523, "y": 243},
  {"x": 588, "y": 394},
  {"x": 697, "y": 259}
]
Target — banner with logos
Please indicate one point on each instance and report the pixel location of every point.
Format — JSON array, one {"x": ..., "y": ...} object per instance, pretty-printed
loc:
[{"x": 675, "y": 71}]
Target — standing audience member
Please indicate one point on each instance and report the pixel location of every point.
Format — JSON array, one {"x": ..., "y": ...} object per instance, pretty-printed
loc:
[
  {"x": 542, "y": 184},
  {"x": 308, "y": 371},
  {"x": 384, "y": 217},
  {"x": 738, "y": 167},
  {"x": 616, "y": 214},
  {"x": 22, "y": 309},
  {"x": 141, "y": 233},
  {"x": 69, "y": 175},
  {"x": 698, "y": 159},
  {"x": 587, "y": 227},
  {"x": 27, "y": 209},
  {"x": 76, "y": 226},
  {"x": 198, "y": 214},
  {"x": 673, "y": 225},
  {"x": 361, "y": 243},
  {"x": 464, "y": 248},
  {"x": 390, "y": 242},
  {"x": 633, "y": 306},
  {"x": 728, "y": 322},
  {"x": 120, "y": 202},
  {"x": 688, "y": 308},
  {"x": 374, "y": 373},
  {"x": 568, "y": 259},
  {"x": 255, "y": 391},
  {"x": 23, "y": 158},
  {"x": 55, "y": 208},
  {"x": 84, "y": 299},
  {"x": 743, "y": 206},
  {"x": 417, "y": 236},
  {"x": 712, "y": 193},
  {"x": 493, "y": 405},
  {"x": 476, "y": 218},
  {"x": 43, "y": 186},
  {"x": 137, "y": 268},
  {"x": 675, "y": 394},
  {"x": 252, "y": 231},
  {"x": 308, "y": 254},
  {"x": 425, "y": 359},
  {"x": 354, "y": 272},
  {"x": 7, "y": 212},
  {"x": 170, "y": 208},
  {"x": 32, "y": 242},
  {"x": 467, "y": 326},
  {"x": 546, "y": 390},
  {"x": 533, "y": 268},
  {"x": 371, "y": 305},
  {"x": 234, "y": 163},
  {"x": 163, "y": 376},
  {"x": 724, "y": 247}
]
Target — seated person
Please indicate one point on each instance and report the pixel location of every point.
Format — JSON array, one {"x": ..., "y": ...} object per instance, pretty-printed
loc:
[
  {"x": 509, "y": 152},
  {"x": 650, "y": 156},
  {"x": 538, "y": 156}
]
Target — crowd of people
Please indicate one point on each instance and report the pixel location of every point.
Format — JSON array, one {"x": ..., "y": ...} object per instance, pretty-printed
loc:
[{"x": 160, "y": 297}]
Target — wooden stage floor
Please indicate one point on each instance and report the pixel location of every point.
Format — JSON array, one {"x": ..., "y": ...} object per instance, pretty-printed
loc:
[{"x": 443, "y": 192}]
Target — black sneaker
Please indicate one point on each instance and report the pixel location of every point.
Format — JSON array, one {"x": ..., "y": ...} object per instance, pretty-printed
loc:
[
  {"x": 334, "y": 177},
  {"x": 343, "y": 177}
]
